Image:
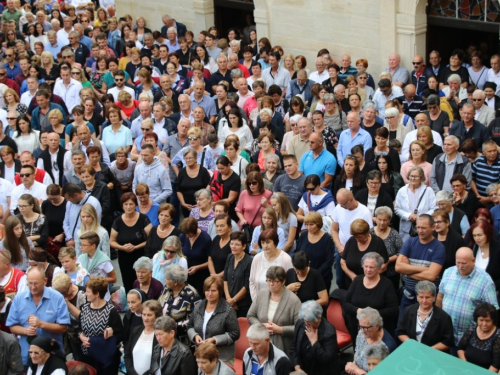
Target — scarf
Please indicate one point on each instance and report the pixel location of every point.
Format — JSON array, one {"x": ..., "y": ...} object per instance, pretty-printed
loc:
[
  {"x": 160, "y": 263},
  {"x": 328, "y": 198},
  {"x": 99, "y": 258}
]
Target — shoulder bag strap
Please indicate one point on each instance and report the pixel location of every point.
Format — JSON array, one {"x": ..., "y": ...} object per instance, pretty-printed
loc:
[
  {"x": 420, "y": 200},
  {"x": 203, "y": 156}
]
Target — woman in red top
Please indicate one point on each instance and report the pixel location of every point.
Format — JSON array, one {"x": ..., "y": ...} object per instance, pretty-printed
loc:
[
  {"x": 266, "y": 142},
  {"x": 126, "y": 104}
]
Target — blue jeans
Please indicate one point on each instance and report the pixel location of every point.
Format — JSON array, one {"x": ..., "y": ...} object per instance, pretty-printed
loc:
[
  {"x": 339, "y": 272},
  {"x": 406, "y": 300},
  {"x": 173, "y": 200}
]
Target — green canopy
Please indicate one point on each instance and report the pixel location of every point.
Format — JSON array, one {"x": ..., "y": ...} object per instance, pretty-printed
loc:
[{"x": 414, "y": 358}]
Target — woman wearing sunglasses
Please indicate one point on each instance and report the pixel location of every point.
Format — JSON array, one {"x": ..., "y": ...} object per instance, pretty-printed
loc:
[
  {"x": 204, "y": 155},
  {"x": 315, "y": 199}
]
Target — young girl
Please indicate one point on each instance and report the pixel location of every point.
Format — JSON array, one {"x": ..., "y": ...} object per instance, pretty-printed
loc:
[
  {"x": 269, "y": 220},
  {"x": 90, "y": 223},
  {"x": 287, "y": 220},
  {"x": 17, "y": 243},
  {"x": 79, "y": 275}
]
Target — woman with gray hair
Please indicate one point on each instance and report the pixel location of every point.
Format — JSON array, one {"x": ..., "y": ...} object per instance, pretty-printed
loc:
[
  {"x": 294, "y": 130},
  {"x": 190, "y": 180},
  {"x": 396, "y": 129},
  {"x": 273, "y": 168},
  {"x": 334, "y": 117},
  {"x": 371, "y": 331},
  {"x": 170, "y": 356},
  {"x": 425, "y": 322},
  {"x": 439, "y": 120},
  {"x": 178, "y": 298},
  {"x": 371, "y": 289},
  {"x": 412, "y": 200},
  {"x": 144, "y": 271},
  {"x": 170, "y": 253},
  {"x": 203, "y": 211},
  {"x": 312, "y": 330},
  {"x": 375, "y": 354}
]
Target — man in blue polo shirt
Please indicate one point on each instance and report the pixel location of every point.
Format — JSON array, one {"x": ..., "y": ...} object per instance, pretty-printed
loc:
[
  {"x": 318, "y": 161},
  {"x": 352, "y": 137},
  {"x": 38, "y": 311}
]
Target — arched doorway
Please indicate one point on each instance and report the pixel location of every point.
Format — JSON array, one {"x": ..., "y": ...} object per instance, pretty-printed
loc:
[
  {"x": 463, "y": 24},
  {"x": 233, "y": 14}
]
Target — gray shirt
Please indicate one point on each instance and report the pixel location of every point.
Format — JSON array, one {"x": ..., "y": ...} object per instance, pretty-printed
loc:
[
  {"x": 214, "y": 53},
  {"x": 292, "y": 188},
  {"x": 172, "y": 147}
]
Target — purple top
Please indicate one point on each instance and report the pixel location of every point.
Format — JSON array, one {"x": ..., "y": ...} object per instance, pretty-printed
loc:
[{"x": 155, "y": 288}]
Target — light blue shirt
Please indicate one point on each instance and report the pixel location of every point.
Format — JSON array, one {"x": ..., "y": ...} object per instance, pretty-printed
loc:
[
  {"x": 347, "y": 142},
  {"x": 112, "y": 140},
  {"x": 173, "y": 47},
  {"x": 256, "y": 235},
  {"x": 325, "y": 162},
  {"x": 380, "y": 99},
  {"x": 50, "y": 309},
  {"x": 72, "y": 222},
  {"x": 87, "y": 42},
  {"x": 206, "y": 102},
  {"x": 54, "y": 50}
]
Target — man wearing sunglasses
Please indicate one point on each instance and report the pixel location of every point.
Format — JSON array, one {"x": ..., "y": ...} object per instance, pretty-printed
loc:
[
  {"x": 28, "y": 186},
  {"x": 484, "y": 114},
  {"x": 120, "y": 85},
  {"x": 419, "y": 74},
  {"x": 11, "y": 65},
  {"x": 412, "y": 103},
  {"x": 11, "y": 84}
]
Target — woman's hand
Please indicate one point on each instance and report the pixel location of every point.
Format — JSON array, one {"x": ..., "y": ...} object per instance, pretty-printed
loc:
[
  {"x": 59, "y": 238},
  {"x": 312, "y": 335},
  {"x": 211, "y": 339},
  {"x": 188, "y": 206},
  {"x": 412, "y": 217},
  {"x": 198, "y": 340},
  {"x": 243, "y": 222},
  {"x": 128, "y": 247},
  {"x": 294, "y": 287},
  {"x": 85, "y": 340},
  {"x": 263, "y": 202},
  {"x": 273, "y": 328},
  {"x": 192, "y": 270},
  {"x": 108, "y": 332}
]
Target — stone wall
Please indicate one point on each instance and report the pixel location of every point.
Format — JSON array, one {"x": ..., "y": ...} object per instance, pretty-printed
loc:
[{"x": 364, "y": 29}]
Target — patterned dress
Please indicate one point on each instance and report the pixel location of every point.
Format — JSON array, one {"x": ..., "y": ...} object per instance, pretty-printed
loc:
[
  {"x": 179, "y": 308},
  {"x": 93, "y": 322}
]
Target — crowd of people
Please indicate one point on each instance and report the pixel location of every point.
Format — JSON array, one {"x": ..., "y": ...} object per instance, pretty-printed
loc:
[{"x": 231, "y": 183}]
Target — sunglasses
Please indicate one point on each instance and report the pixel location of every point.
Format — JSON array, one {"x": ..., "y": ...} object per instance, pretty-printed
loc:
[
  {"x": 252, "y": 183},
  {"x": 76, "y": 73},
  {"x": 311, "y": 188},
  {"x": 170, "y": 251},
  {"x": 25, "y": 175},
  {"x": 145, "y": 129},
  {"x": 8, "y": 55},
  {"x": 11, "y": 118},
  {"x": 193, "y": 138}
]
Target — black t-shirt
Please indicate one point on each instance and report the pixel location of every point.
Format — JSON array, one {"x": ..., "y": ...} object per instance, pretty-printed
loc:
[
  {"x": 8, "y": 141},
  {"x": 135, "y": 234},
  {"x": 55, "y": 216},
  {"x": 232, "y": 183},
  {"x": 310, "y": 287},
  {"x": 218, "y": 254},
  {"x": 188, "y": 185}
]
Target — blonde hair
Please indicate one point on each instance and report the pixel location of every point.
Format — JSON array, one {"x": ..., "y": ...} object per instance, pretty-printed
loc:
[
  {"x": 51, "y": 58},
  {"x": 56, "y": 112},
  {"x": 89, "y": 210}
]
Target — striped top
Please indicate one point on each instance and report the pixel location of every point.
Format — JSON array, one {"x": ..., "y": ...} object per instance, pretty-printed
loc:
[{"x": 484, "y": 174}]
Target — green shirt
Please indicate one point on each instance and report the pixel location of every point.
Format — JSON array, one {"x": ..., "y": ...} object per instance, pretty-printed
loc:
[{"x": 7, "y": 15}]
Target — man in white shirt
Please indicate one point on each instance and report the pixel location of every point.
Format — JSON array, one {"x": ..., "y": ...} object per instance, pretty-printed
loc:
[
  {"x": 41, "y": 175},
  {"x": 494, "y": 72},
  {"x": 27, "y": 96},
  {"x": 321, "y": 74},
  {"x": 63, "y": 34},
  {"x": 5, "y": 194},
  {"x": 53, "y": 154},
  {"x": 119, "y": 79},
  {"x": 68, "y": 89},
  {"x": 28, "y": 186},
  {"x": 160, "y": 122},
  {"x": 420, "y": 120},
  {"x": 384, "y": 93}
]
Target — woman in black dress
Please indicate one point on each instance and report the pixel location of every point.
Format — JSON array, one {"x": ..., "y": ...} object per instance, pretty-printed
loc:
[
  {"x": 191, "y": 179},
  {"x": 305, "y": 281},
  {"x": 226, "y": 185},
  {"x": 220, "y": 246},
  {"x": 54, "y": 209},
  {"x": 128, "y": 236},
  {"x": 159, "y": 233}
]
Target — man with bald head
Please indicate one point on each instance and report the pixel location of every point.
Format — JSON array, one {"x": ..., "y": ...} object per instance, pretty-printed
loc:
[
  {"x": 319, "y": 161},
  {"x": 243, "y": 92},
  {"x": 351, "y": 137},
  {"x": 233, "y": 63},
  {"x": 462, "y": 288},
  {"x": 412, "y": 103},
  {"x": 420, "y": 120},
  {"x": 52, "y": 158},
  {"x": 321, "y": 73},
  {"x": 346, "y": 69},
  {"x": 400, "y": 75},
  {"x": 347, "y": 210},
  {"x": 419, "y": 74}
]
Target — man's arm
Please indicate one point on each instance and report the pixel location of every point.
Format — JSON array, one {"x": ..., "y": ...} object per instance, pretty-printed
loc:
[
  {"x": 434, "y": 184},
  {"x": 327, "y": 181},
  {"x": 429, "y": 273},
  {"x": 66, "y": 224},
  {"x": 336, "y": 238},
  {"x": 404, "y": 267},
  {"x": 439, "y": 300}
]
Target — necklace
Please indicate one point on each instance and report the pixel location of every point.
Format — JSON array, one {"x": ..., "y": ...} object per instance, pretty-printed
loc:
[
  {"x": 159, "y": 228},
  {"x": 424, "y": 313}
]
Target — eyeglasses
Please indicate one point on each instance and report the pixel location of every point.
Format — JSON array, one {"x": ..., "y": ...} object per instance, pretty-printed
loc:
[
  {"x": 293, "y": 125},
  {"x": 22, "y": 175},
  {"x": 373, "y": 183},
  {"x": 145, "y": 129},
  {"x": 414, "y": 176},
  {"x": 344, "y": 205},
  {"x": 23, "y": 206},
  {"x": 76, "y": 73},
  {"x": 364, "y": 328},
  {"x": 11, "y": 118},
  {"x": 252, "y": 183},
  {"x": 329, "y": 103},
  {"x": 170, "y": 251},
  {"x": 119, "y": 79},
  {"x": 3, "y": 74},
  {"x": 362, "y": 77},
  {"x": 193, "y": 138},
  {"x": 67, "y": 57},
  {"x": 417, "y": 62},
  {"x": 390, "y": 117},
  {"x": 476, "y": 100},
  {"x": 8, "y": 55}
]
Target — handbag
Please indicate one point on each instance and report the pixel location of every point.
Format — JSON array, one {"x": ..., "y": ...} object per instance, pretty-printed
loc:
[{"x": 413, "y": 228}]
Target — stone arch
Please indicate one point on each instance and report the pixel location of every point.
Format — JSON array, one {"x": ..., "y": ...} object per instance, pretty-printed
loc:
[
  {"x": 262, "y": 18},
  {"x": 411, "y": 29}
]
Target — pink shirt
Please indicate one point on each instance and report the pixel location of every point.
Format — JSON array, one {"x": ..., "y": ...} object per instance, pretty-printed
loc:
[
  {"x": 427, "y": 167},
  {"x": 249, "y": 205}
]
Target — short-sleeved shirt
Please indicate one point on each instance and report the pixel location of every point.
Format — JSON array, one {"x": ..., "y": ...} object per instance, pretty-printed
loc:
[
  {"x": 292, "y": 188},
  {"x": 309, "y": 287},
  {"x": 325, "y": 162},
  {"x": 422, "y": 255},
  {"x": 112, "y": 140}
]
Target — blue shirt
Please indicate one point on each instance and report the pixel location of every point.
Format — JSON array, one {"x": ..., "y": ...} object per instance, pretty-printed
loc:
[
  {"x": 72, "y": 221},
  {"x": 325, "y": 162},
  {"x": 172, "y": 47},
  {"x": 152, "y": 214},
  {"x": 422, "y": 255},
  {"x": 54, "y": 50},
  {"x": 112, "y": 140},
  {"x": 206, "y": 102},
  {"x": 51, "y": 309},
  {"x": 13, "y": 72},
  {"x": 347, "y": 142},
  {"x": 86, "y": 41}
]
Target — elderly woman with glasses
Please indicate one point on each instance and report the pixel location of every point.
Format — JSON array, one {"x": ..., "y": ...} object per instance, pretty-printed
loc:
[
  {"x": 371, "y": 331},
  {"x": 425, "y": 322},
  {"x": 396, "y": 129},
  {"x": 334, "y": 117},
  {"x": 203, "y": 158},
  {"x": 412, "y": 200},
  {"x": 178, "y": 298},
  {"x": 46, "y": 353},
  {"x": 314, "y": 331}
]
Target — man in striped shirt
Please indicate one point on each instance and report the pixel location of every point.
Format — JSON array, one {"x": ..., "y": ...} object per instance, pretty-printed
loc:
[{"x": 485, "y": 171}]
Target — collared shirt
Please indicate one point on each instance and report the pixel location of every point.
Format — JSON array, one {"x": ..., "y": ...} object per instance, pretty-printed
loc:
[
  {"x": 494, "y": 77},
  {"x": 69, "y": 93},
  {"x": 51, "y": 308},
  {"x": 54, "y": 50},
  {"x": 172, "y": 146},
  {"x": 449, "y": 170},
  {"x": 461, "y": 295},
  {"x": 281, "y": 77},
  {"x": 12, "y": 73},
  {"x": 72, "y": 222},
  {"x": 325, "y": 162},
  {"x": 63, "y": 37},
  {"x": 172, "y": 47},
  {"x": 319, "y": 77},
  {"x": 347, "y": 142},
  {"x": 343, "y": 74},
  {"x": 37, "y": 190},
  {"x": 484, "y": 174},
  {"x": 7, "y": 15},
  {"x": 206, "y": 102},
  {"x": 298, "y": 146},
  {"x": 53, "y": 166},
  {"x": 112, "y": 140},
  {"x": 263, "y": 64},
  {"x": 243, "y": 98},
  {"x": 105, "y": 153},
  {"x": 135, "y": 127},
  {"x": 400, "y": 74},
  {"x": 380, "y": 99}
]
